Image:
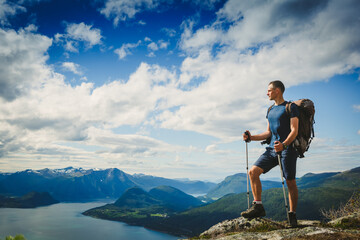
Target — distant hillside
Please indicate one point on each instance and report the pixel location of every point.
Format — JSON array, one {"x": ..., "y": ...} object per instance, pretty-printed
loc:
[
  {"x": 165, "y": 196},
  {"x": 174, "y": 198},
  {"x": 237, "y": 184},
  {"x": 137, "y": 198},
  {"x": 194, "y": 221},
  {"x": 345, "y": 180},
  {"x": 30, "y": 200},
  {"x": 348, "y": 179},
  {"x": 310, "y": 180},
  {"x": 191, "y": 187},
  {"x": 138, "y": 207},
  {"x": 197, "y": 220},
  {"x": 77, "y": 184}
]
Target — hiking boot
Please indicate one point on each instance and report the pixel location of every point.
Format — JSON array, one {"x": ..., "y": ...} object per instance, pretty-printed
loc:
[
  {"x": 256, "y": 210},
  {"x": 293, "y": 220}
]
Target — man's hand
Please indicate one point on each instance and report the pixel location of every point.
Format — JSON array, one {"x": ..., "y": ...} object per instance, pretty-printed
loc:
[
  {"x": 247, "y": 136},
  {"x": 279, "y": 147}
]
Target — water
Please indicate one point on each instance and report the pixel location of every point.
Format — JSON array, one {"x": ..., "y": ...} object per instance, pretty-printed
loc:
[{"x": 64, "y": 221}]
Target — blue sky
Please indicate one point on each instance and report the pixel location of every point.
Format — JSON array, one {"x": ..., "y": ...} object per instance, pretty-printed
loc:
[{"x": 167, "y": 87}]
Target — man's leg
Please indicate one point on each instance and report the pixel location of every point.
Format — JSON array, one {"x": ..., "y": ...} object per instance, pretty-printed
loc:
[
  {"x": 293, "y": 198},
  {"x": 293, "y": 194},
  {"x": 255, "y": 182},
  {"x": 257, "y": 209}
]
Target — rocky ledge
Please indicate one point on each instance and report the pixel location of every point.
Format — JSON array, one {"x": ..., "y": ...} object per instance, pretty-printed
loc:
[{"x": 262, "y": 228}]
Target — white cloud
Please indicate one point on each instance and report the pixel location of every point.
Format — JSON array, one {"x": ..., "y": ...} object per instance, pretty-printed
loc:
[
  {"x": 71, "y": 46},
  {"x": 162, "y": 44},
  {"x": 213, "y": 149},
  {"x": 122, "y": 10},
  {"x": 22, "y": 53},
  {"x": 8, "y": 9},
  {"x": 357, "y": 108},
  {"x": 151, "y": 54},
  {"x": 84, "y": 33},
  {"x": 207, "y": 4},
  {"x": 124, "y": 50},
  {"x": 220, "y": 89},
  {"x": 79, "y": 33},
  {"x": 231, "y": 61},
  {"x": 169, "y": 32},
  {"x": 153, "y": 46},
  {"x": 38, "y": 122},
  {"x": 72, "y": 67}
]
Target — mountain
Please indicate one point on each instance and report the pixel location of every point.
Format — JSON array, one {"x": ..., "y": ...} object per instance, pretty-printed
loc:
[
  {"x": 194, "y": 221},
  {"x": 346, "y": 180},
  {"x": 329, "y": 193},
  {"x": 314, "y": 180},
  {"x": 174, "y": 198},
  {"x": 30, "y": 200},
  {"x": 237, "y": 184},
  {"x": 148, "y": 209},
  {"x": 169, "y": 197},
  {"x": 77, "y": 184},
  {"x": 191, "y": 187},
  {"x": 137, "y": 198},
  {"x": 66, "y": 185}
]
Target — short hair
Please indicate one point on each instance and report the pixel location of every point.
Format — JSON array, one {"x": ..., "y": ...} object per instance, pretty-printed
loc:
[{"x": 278, "y": 84}]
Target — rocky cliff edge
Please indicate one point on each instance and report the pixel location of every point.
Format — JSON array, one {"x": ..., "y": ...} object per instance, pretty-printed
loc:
[{"x": 261, "y": 228}]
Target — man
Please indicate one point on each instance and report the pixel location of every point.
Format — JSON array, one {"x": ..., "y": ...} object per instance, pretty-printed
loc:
[{"x": 283, "y": 129}]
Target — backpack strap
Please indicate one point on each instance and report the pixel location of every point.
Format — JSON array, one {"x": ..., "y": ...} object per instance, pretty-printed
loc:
[{"x": 288, "y": 108}]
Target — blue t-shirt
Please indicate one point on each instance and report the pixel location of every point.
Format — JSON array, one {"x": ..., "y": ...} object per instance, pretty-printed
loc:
[{"x": 279, "y": 121}]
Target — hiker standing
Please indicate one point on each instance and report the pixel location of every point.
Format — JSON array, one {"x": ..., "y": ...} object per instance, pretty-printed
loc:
[{"x": 282, "y": 128}]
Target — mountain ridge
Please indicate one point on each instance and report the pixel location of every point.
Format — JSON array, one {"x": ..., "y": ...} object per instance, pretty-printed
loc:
[
  {"x": 236, "y": 184},
  {"x": 29, "y": 200},
  {"x": 78, "y": 184},
  {"x": 196, "y": 220}
]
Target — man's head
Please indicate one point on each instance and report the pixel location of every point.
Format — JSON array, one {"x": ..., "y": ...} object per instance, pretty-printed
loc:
[
  {"x": 278, "y": 84},
  {"x": 275, "y": 90}
]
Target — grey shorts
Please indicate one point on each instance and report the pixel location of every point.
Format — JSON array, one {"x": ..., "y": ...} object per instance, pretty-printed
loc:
[{"x": 269, "y": 160}]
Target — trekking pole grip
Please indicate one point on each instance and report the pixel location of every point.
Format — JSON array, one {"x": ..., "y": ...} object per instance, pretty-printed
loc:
[{"x": 248, "y": 135}]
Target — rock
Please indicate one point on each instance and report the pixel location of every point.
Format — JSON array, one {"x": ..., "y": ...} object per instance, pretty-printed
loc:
[
  {"x": 262, "y": 228},
  {"x": 351, "y": 221},
  {"x": 241, "y": 224}
]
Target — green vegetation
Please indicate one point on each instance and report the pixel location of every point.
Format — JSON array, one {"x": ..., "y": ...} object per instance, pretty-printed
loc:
[
  {"x": 351, "y": 206},
  {"x": 348, "y": 223},
  {"x": 236, "y": 184},
  {"x": 347, "y": 215},
  {"x": 194, "y": 221},
  {"x": 30, "y": 200},
  {"x": 264, "y": 227},
  {"x": 17, "y": 237}
]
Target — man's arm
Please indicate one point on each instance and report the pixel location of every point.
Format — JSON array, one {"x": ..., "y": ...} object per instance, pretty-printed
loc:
[
  {"x": 294, "y": 127},
  {"x": 259, "y": 137}
]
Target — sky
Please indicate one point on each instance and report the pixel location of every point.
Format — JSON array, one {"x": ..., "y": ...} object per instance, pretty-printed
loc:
[{"x": 167, "y": 87}]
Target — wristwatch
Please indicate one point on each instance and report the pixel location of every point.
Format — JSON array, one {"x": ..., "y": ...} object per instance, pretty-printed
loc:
[{"x": 285, "y": 146}]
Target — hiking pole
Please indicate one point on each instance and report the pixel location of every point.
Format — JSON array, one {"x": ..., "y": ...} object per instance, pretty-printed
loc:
[
  {"x": 283, "y": 186},
  {"x": 247, "y": 169}
]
